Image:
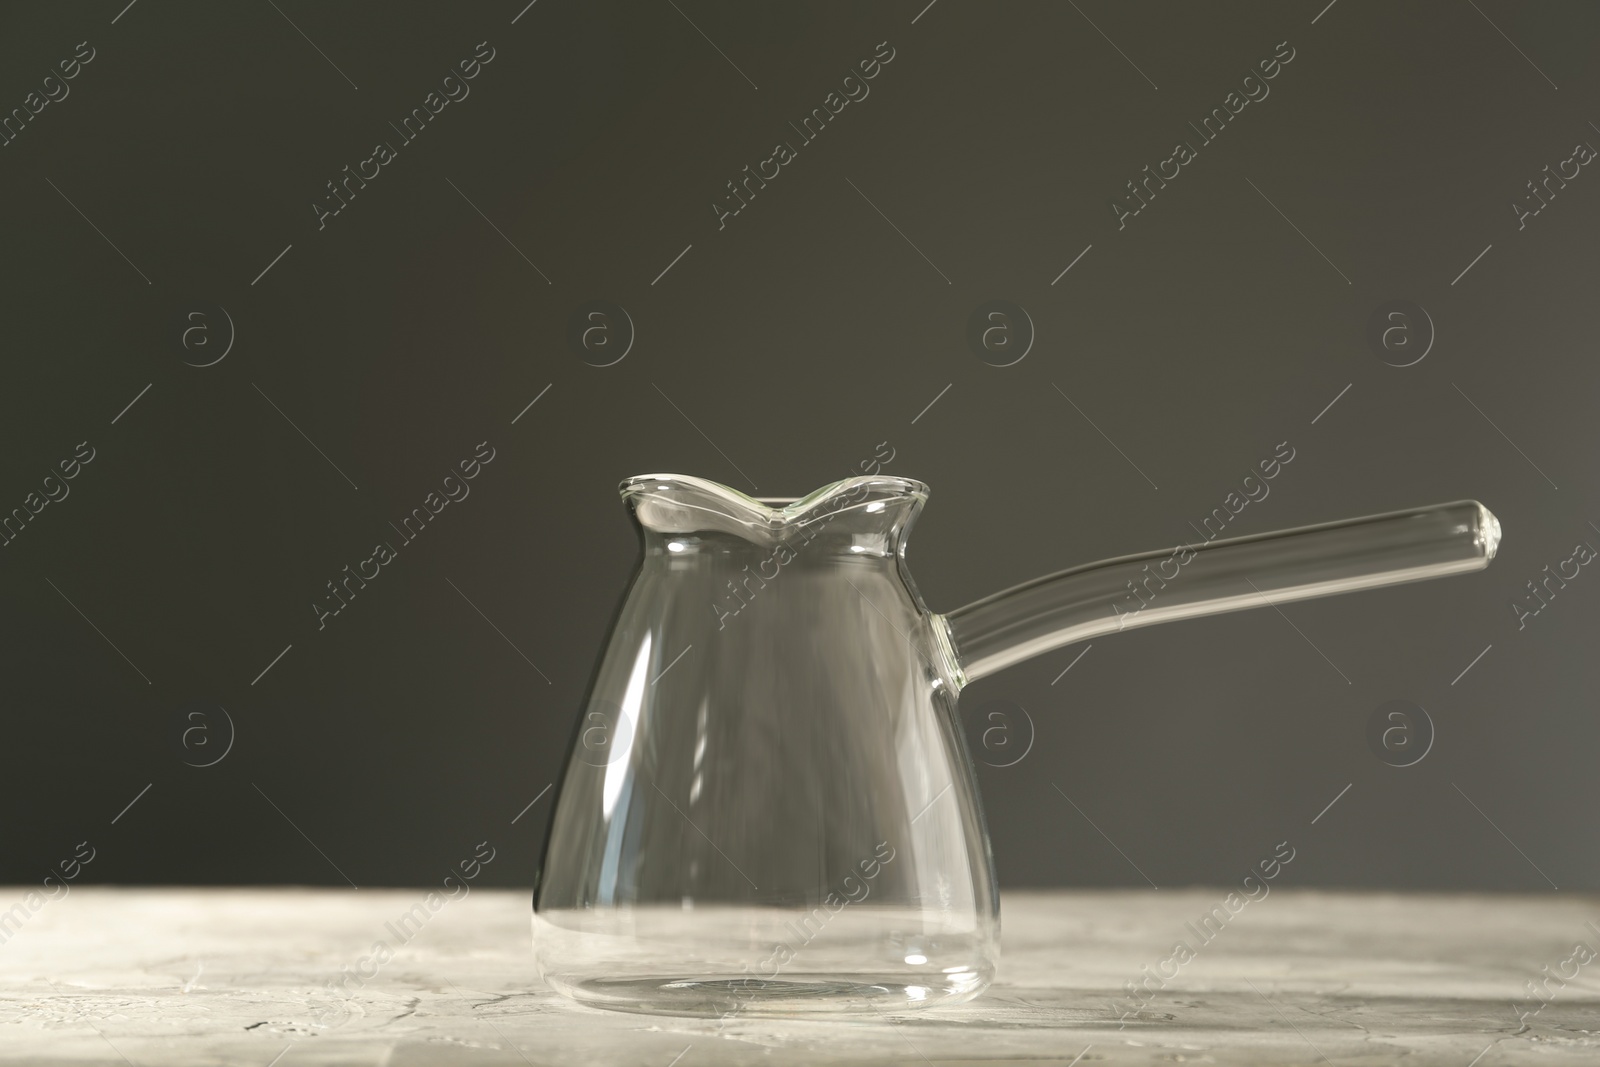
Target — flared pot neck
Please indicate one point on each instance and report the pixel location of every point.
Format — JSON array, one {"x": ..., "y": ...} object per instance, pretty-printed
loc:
[{"x": 671, "y": 504}]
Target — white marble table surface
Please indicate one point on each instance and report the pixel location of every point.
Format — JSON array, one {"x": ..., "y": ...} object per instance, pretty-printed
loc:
[{"x": 235, "y": 976}]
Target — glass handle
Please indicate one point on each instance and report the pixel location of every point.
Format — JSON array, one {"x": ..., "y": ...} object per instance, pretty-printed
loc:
[{"x": 1217, "y": 576}]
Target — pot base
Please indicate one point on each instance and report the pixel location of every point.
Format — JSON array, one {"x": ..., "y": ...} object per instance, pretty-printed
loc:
[{"x": 790, "y": 995}]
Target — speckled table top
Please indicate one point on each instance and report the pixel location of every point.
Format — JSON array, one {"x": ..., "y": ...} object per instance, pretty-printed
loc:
[{"x": 240, "y": 976}]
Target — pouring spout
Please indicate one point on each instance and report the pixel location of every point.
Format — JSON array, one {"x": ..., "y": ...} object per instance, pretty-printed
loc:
[{"x": 1212, "y": 577}]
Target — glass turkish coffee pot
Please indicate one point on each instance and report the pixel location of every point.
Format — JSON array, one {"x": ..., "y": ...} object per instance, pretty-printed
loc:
[{"x": 769, "y": 807}]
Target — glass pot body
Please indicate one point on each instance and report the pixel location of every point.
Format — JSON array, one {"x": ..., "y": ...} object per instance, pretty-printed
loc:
[{"x": 769, "y": 806}]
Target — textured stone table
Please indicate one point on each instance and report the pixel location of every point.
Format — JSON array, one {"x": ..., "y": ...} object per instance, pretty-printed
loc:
[{"x": 108, "y": 976}]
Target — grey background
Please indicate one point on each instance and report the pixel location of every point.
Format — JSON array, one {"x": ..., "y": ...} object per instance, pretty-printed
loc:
[{"x": 381, "y": 749}]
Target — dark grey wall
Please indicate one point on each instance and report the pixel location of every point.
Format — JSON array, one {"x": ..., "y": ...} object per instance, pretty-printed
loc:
[{"x": 382, "y": 344}]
